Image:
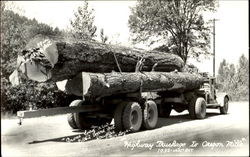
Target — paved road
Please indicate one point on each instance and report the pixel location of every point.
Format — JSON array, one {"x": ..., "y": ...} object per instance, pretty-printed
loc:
[{"x": 177, "y": 135}]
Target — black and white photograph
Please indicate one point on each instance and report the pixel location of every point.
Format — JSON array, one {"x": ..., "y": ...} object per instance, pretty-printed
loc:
[{"x": 124, "y": 78}]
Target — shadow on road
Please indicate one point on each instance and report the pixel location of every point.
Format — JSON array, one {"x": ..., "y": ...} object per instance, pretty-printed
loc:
[
  {"x": 175, "y": 119},
  {"x": 96, "y": 132},
  {"x": 107, "y": 131}
]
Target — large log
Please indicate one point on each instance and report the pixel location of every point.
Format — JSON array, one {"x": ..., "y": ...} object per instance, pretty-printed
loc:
[
  {"x": 96, "y": 85},
  {"x": 66, "y": 59}
]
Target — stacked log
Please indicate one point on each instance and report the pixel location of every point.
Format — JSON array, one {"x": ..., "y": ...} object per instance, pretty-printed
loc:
[
  {"x": 96, "y": 70},
  {"x": 96, "y": 85},
  {"x": 68, "y": 59}
]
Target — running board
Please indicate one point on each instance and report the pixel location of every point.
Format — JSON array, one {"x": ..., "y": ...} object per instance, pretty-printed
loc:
[{"x": 216, "y": 105}]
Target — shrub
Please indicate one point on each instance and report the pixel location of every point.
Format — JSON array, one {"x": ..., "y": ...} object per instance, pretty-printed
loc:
[{"x": 31, "y": 94}]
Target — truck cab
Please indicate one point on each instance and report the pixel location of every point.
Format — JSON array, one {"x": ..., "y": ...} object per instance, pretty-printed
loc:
[{"x": 213, "y": 97}]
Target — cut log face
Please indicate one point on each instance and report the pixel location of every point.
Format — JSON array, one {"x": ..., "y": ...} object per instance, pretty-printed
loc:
[
  {"x": 91, "y": 56},
  {"x": 96, "y": 85}
]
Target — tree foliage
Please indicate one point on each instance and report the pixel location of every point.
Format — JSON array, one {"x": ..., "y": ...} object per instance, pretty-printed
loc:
[
  {"x": 104, "y": 38},
  {"x": 83, "y": 23},
  {"x": 178, "y": 24},
  {"x": 16, "y": 32},
  {"x": 235, "y": 81},
  {"x": 33, "y": 95}
]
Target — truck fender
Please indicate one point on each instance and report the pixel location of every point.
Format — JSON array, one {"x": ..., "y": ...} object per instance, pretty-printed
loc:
[{"x": 220, "y": 98}]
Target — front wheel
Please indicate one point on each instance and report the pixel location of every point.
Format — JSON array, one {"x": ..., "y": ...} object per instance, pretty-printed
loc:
[
  {"x": 197, "y": 108},
  {"x": 224, "y": 109}
]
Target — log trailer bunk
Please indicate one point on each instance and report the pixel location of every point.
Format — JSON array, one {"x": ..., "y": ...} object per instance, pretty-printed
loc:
[{"x": 131, "y": 111}]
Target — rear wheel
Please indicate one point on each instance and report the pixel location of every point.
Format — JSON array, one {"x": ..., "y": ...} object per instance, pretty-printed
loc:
[
  {"x": 118, "y": 116},
  {"x": 197, "y": 108},
  {"x": 224, "y": 109},
  {"x": 132, "y": 117},
  {"x": 150, "y": 115},
  {"x": 70, "y": 116},
  {"x": 82, "y": 121}
]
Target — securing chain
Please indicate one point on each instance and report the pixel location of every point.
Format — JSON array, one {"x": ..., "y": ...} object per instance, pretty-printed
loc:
[{"x": 117, "y": 63}]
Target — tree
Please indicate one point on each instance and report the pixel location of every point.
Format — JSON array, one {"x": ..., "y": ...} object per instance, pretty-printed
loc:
[
  {"x": 16, "y": 32},
  {"x": 103, "y": 37},
  {"x": 235, "y": 81},
  {"x": 243, "y": 70},
  {"x": 226, "y": 78},
  {"x": 178, "y": 24},
  {"x": 221, "y": 75},
  {"x": 83, "y": 23},
  {"x": 230, "y": 84},
  {"x": 243, "y": 78},
  {"x": 12, "y": 39}
]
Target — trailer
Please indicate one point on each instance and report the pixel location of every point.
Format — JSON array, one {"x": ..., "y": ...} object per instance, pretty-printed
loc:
[{"x": 135, "y": 110}]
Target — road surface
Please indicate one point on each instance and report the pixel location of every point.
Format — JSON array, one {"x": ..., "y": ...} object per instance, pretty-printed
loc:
[{"x": 178, "y": 135}]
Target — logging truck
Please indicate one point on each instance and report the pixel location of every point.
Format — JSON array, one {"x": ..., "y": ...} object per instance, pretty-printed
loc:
[
  {"x": 134, "y": 110},
  {"x": 133, "y": 87}
]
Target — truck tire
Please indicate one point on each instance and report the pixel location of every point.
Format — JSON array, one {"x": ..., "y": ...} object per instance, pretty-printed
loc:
[
  {"x": 150, "y": 115},
  {"x": 81, "y": 121},
  {"x": 197, "y": 108},
  {"x": 132, "y": 117},
  {"x": 84, "y": 122},
  {"x": 224, "y": 109},
  {"x": 191, "y": 108},
  {"x": 118, "y": 116},
  {"x": 71, "y": 121},
  {"x": 70, "y": 116}
]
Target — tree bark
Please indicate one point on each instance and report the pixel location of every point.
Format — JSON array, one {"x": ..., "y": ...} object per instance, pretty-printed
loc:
[
  {"x": 96, "y": 85},
  {"x": 91, "y": 56}
]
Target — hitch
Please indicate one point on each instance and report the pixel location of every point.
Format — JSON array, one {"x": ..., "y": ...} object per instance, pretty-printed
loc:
[
  {"x": 20, "y": 121},
  {"x": 56, "y": 111}
]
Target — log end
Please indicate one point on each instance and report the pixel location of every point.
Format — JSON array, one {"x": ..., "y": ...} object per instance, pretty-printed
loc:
[{"x": 86, "y": 82}]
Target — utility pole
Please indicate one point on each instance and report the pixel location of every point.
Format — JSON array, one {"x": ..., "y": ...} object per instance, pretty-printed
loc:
[{"x": 214, "y": 47}]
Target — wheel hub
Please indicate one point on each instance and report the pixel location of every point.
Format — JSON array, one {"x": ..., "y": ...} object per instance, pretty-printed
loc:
[
  {"x": 150, "y": 115},
  {"x": 134, "y": 118}
]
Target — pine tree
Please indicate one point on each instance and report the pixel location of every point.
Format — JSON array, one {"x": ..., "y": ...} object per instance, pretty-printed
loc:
[
  {"x": 103, "y": 37},
  {"x": 83, "y": 23},
  {"x": 235, "y": 81},
  {"x": 243, "y": 78},
  {"x": 221, "y": 75}
]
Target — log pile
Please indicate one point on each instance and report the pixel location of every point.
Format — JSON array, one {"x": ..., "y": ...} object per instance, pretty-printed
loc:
[
  {"x": 69, "y": 59},
  {"x": 97, "y": 85},
  {"x": 96, "y": 70}
]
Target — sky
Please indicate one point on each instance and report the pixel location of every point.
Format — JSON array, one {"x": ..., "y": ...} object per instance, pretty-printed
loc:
[{"x": 231, "y": 27}]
